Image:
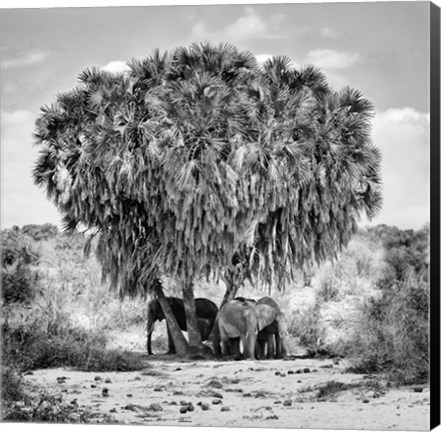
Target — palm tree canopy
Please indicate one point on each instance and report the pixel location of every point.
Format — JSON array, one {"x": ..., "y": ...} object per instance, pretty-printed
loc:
[{"x": 197, "y": 154}]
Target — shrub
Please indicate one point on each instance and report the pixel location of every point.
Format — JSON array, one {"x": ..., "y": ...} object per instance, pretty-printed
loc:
[
  {"x": 307, "y": 325},
  {"x": 44, "y": 407},
  {"x": 394, "y": 335},
  {"x": 34, "y": 344},
  {"x": 12, "y": 387},
  {"x": 40, "y": 232},
  {"x": 18, "y": 278},
  {"x": 19, "y": 283}
]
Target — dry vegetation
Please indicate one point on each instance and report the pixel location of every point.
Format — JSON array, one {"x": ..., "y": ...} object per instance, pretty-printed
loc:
[{"x": 370, "y": 307}]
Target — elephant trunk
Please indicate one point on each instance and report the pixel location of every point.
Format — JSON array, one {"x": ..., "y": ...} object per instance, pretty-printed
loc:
[{"x": 282, "y": 349}]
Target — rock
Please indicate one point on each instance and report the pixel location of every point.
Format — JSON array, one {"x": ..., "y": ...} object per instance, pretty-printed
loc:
[
  {"x": 173, "y": 403},
  {"x": 105, "y": 391},
  {"x": 93, "y": 385},
  {"x": 366, "y": 401},
  {"x": 190, "y": 407},
  {"x": 277, "y": 402},
  {"x": 155, "y": 407},
  {"x": 129, "y": 395},
  {"x": 306, "y": 370},
  {"x": 277, "y": 373},
  {"x": 418, "y": 389},
  {"x": 29, "y": 373},
  {"x": 272, "y": 417},
  {"x": 204, "y": 406},
  {"x": 97, "y": 378},
  {"x": 215, "y": 384},
  {"x": 183, "y": 409},
  {"x": 158, "y": 389},
  {"x": 247, "y": 395},
  {"x": 283, "y": 375},
  {"x": 235, "y": 381},
  {"x": 298, "y": 371},
  {"x": 178, "y": 369},
  {"x": 137, "y": 378},
  {"x": 327, "y": 366},
  {"x": 290, "y": 372},
  {"x": 130, "y": 407},
  {"x": 183, "y": 403},
  {"x": 299, "y": 381},
  {"x": 287, "y": 402},
  {"x": 113, "y": 410},
  {"x": 216, "y": 401},
  {"x": 225, "y": 408},
  {"x": 108, "y": 381}
]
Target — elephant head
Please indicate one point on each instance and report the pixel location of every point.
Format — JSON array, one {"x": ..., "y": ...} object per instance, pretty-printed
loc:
[
  {"x": 155, "y": 313},
  {"x": 243, "y": 319},
  {"x": 272, "y": 340}
]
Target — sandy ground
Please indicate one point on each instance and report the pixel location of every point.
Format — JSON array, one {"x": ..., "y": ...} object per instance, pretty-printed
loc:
[{"x": 270, "y": 394}]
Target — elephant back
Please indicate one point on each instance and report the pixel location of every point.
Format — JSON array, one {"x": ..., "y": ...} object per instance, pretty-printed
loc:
[
  {"x": 270, "y": 302},
  {"x": 205, "y": 308}
]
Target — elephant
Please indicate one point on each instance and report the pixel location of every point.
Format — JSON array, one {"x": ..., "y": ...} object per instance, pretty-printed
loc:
[
  {"x": 206, "y": 312},
  {"x": 272, "y": 340},
  {"x": 241, "y": 320}
]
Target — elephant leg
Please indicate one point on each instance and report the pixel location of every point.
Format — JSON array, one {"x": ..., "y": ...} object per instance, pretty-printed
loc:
[
  {"x": 249, "y": 346},
  {"x": 224, "y": 348},
  {"x": 235, "y": 347},
  {"x": 270, "y": 346},
  {"x": 171, "y": 345},
  {"x": 260, "y": 347}
]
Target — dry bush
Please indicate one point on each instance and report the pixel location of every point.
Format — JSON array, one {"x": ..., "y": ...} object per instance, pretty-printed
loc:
[
  {"x": 393, "y": 336},
  {"x": 307, "y": 326},
  {"x": 71, "y": 312}
]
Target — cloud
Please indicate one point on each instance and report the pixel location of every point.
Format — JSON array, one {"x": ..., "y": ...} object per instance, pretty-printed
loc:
[
  {"x": 262, "y": 58},
  {"x": 24, "y": 57},
  {"x": 22, "y": 201},
  {"x": 402, "y": 135},
  {"x": 116, "y": 66},
  {"x": 331, "y": 59},
  {"x": 328, "y": 32},
  {"x": 248, "y": 26},
  {"x": 16, "y": 118}
]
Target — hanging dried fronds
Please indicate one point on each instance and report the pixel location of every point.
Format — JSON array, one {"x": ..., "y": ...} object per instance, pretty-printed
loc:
[{"x": 198, "y": 154}]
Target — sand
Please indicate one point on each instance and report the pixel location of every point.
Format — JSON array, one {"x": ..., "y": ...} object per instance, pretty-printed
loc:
[{"x": 247, "y": 393}]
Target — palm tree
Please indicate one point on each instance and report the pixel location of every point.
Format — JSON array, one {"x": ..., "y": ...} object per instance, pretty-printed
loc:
[{"x": 199, "y": 163}]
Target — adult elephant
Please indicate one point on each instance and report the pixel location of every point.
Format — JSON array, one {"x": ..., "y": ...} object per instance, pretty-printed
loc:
[
  {"x": 241, "y": 320},
  {"x": 272, "y": 340},
  {"x": 206, "y": 312}
]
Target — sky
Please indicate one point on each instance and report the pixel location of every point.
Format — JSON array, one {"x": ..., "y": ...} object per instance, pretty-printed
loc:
[{"x": 381, "y": 49}]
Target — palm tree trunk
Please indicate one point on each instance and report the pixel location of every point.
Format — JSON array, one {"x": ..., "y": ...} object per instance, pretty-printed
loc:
[
  {"x": 194, "y": 335},
  {"x": 181, "y": 344}
]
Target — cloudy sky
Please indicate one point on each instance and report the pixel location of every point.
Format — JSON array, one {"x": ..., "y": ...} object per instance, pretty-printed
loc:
[{"x": 381, "y": 49}]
